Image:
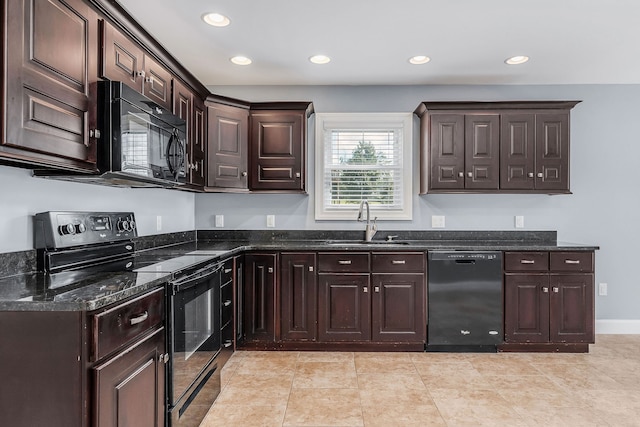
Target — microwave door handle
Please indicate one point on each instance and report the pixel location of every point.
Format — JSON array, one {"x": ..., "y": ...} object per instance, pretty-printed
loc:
[{"x": 168, "y": 155}]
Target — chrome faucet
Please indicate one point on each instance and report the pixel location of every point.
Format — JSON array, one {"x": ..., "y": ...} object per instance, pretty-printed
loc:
[{"x": 370, "y": 229}]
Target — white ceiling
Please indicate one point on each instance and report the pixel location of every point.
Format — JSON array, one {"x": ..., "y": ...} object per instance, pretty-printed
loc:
[{"x": 370, "y": 41}]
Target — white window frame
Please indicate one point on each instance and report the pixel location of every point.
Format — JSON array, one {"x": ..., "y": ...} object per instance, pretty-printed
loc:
[{"x": 326, "y": 122}]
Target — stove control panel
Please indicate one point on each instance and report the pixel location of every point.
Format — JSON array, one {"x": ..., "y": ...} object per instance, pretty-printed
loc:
[{"x": 54, "y": 230}]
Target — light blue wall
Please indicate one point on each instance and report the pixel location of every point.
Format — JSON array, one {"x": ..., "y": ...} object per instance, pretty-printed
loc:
[
  {"x": 603, "y": 209},
  {"x": 21, "y": 196}
]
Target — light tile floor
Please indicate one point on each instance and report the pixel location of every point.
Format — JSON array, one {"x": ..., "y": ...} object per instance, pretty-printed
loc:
[{"x": 601, "y": 388}]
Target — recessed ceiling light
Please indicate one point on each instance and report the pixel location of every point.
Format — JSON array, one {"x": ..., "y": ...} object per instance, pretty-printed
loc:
[
  {"x": 216, "y": 19},
  {"x": 241, "y": 60},
  {"x": 515, "y": 60},
  {"x": 320, "y": 59},
  {"x": 419, "y": 59}
]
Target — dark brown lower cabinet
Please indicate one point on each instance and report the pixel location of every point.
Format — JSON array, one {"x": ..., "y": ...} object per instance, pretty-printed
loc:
[
  {"x": 554, "y": 304},
  {"x": 129, "y": 387},
  {"x": 298, "y": 301},
  {"x": 398, "y": 313},
  {"x": 259, "y": 297},
  {"x": 344, "y": 307}
]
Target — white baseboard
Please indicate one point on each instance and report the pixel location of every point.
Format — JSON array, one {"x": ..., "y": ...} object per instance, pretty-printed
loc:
[{"x": 617, "y": 326}]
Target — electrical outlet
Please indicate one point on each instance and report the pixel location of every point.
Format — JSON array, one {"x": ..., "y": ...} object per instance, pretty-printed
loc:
[
  {"x": 219, "y": 220},
  {"x": 271, "y": 221},
  {"x": 158, "y": 222},
  {"x": 437, "y": 221},
  {"x": 603, "y": 289},
  {"x": 519, "y": 221}
]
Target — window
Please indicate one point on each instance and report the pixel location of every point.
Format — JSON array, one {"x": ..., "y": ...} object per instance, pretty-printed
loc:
[{"x": 363, "y": 156}]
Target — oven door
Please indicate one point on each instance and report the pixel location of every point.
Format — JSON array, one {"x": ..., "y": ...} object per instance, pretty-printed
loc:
[{"x": 193, "y": 331}]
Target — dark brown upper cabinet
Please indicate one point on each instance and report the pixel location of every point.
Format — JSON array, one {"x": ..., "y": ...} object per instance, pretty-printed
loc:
[
  {"x": 489, "y": 147},
  {"x": 49, "y": 65},
  {"x": 188, "y": 106},
  {"x": 227, "y": 146},
  {"x": 277, "y": 146},
  {"x": 125, "y": 60}
]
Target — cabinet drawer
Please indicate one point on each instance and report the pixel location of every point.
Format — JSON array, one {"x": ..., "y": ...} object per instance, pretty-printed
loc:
[
  {"x": 571, "y": 261},
  {"x": 123, "y": 323},
  {"x": 526, "y": 261},
  {"x": 227, "y": 272},
  {"x": 397, "y": 262},
  {"x": 340, "y": 262}
]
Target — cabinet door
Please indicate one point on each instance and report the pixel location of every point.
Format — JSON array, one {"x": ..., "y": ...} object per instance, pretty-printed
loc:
[
  {"x": 344, "y": 307},
  {"x": 259, "y": 303},
  {"x": 572, "y": 308},
  {"x": 526, "y": 308},
  {"x": 552, "y": 151},
  {"x": 130, "y": 387},
  {"x": 156, "y": 84},
  {"x": 277, "y": 150},
  {"x": 198, "y": 169},
  {"x": 398, "y": 308},
  {"x": 122, "y": 59},
  {"x": 446, "y": 149},
  {"x": 482, "y": 151},
  {"x": 517, "y": 151},
  {"x": 228, "y": 145},
  {"x": 51, "y": 46},
  {"x": 298, "y": 296}
]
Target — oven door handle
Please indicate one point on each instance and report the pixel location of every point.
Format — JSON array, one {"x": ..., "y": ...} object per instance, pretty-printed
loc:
[{"x": 195, "y": 278}]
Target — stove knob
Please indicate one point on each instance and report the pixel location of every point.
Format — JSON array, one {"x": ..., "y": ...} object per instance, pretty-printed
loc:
[
  {"x": 80, "y": 228},
  {"x": 132, "y": 225},
  {"x": 122, "y": 225},
  {"x": 66, "y": 229}
]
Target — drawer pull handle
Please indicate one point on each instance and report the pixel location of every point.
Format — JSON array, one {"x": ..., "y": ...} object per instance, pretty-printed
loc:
[
  {"x": 545, "y": 289},
  {"x": 365, "y": 289},
  {"x": 344, "y": 262},
  {"x": 311, "y": 268},
  {"x": 527, "y": 261},
  {"x": 556, "y": 289},
  {"x": 227, "y": 303},
  {"x": 572, "y": 261},
  {"x": 398, "y": 261},
  {"x": 376, "y": 289},
  {"x": 139, "y": 319},
  {"x": 228, "y": 270},
  {"x": 227, "y": 344}
]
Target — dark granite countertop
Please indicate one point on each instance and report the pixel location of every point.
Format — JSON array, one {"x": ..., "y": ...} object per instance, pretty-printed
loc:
[{"x": 37, "y": 291}]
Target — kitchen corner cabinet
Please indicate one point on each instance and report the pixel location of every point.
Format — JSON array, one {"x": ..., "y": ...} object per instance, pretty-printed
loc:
[
  {"x": 298, "y": 290},
  {"x": 126, "y": 61},
  {"x": 277, "y": 146},
  {"x": 49, "y": 67},
  {"x": 495, "y": 147},
  {"x": 259, "y": 297},
  {"x": 549, "y": 297},
  {"x": 228, "y": 146}
]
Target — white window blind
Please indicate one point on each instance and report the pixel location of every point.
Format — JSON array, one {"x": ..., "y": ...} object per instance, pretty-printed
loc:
[{"x": 363, "y": 156}]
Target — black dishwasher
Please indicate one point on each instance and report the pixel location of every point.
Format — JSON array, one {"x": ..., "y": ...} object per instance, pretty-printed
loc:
[{"x": 464, "y": 301}]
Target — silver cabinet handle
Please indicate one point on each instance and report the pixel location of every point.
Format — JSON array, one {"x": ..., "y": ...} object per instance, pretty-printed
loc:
[
  {"x": 163, "y": 358},
  {"x": 94, "y": 133},
  {"x": 545, "y": 289},
  {"x": 139, "y": 319},
  {"x": 540, "y": 175},
  {"x": 297, "y": 174},
  {"x": 141, "y": 73},
  {"x": 572, "y": 261},
  {"x": 398, "y": 261},
  {"x": 527, "y": 261},
  {"x": 270, "y": 269},
  {"x": 460, "y": 174},
  {"x": 227, "y": 344},
  {"x": 530, "y": 174},
  {"x": 470, "y": 175},
  {"x": 344, "y": 261},
  {"x": 244, "y": 173},
  {"x": 376, "y": 289},
  {"x": 227, "y": 303},
  {"x": 228, "y": 270},
  {"x": 149, "y": 80},
  {"x": 365, "y": 289},
  {"x": 556, "y": 289},
  {"x": 311, "y": 268}
]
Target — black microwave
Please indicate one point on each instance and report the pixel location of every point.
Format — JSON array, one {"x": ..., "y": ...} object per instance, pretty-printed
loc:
[{"x": 140, "y": 142}]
